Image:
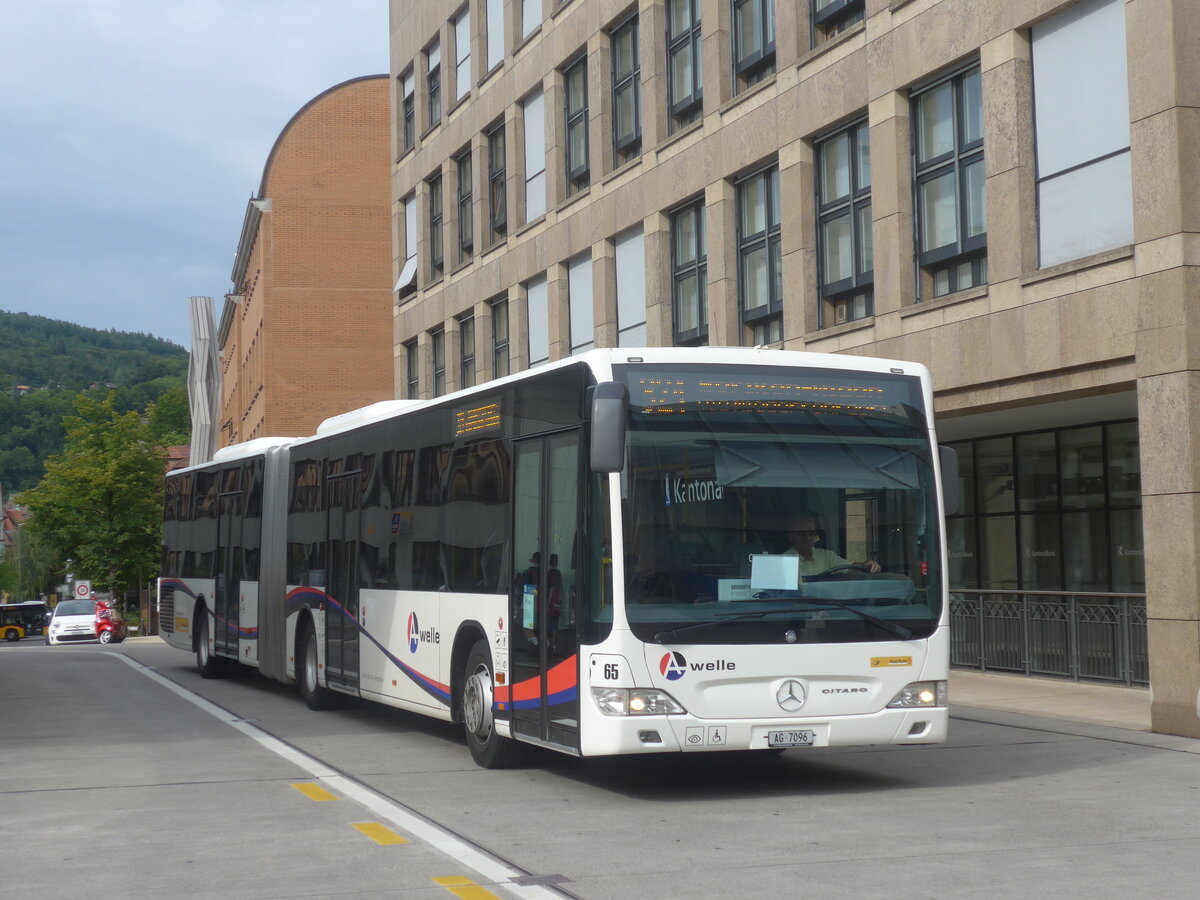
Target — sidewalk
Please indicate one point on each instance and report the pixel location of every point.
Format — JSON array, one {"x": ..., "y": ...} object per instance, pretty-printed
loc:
[{"x": 1098, "y": 704}]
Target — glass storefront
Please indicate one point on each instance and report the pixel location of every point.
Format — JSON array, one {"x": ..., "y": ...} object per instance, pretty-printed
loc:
[{"x": 1050, "y": 511}]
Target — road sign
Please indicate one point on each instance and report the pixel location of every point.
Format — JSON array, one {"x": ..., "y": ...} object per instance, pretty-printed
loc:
[{"x": 83, "y": 590}]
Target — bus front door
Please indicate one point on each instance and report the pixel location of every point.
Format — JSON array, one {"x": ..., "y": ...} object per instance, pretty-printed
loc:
[{"x": 543, "y": 649}]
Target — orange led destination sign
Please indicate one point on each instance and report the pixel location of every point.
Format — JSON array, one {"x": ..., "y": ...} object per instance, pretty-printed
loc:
[
  {"x": 657, "y": 394},
  {"x": 477, "y": 420}
]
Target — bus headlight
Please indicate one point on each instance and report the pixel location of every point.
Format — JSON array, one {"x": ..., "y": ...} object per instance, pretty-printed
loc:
[
  {"x": 920, "y": 695},
  {"x": 636, "y": 702}
]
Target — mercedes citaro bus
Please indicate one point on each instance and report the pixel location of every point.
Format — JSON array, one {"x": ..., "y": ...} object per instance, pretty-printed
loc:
[{"x": 593, "y": 556}]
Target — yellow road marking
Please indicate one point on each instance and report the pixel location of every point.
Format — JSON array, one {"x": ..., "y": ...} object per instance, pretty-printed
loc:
[
  {"x": 464, "y": 888},
  {"x": 380, "y": 834},
  {"x": 314, "y": 792}
]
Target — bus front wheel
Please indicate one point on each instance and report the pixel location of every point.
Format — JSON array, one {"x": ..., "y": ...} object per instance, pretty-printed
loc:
[
  {"x": 11, "y": 634},
  {"x": 207, "y": 665},
  {"x": 488, "y": 749}
]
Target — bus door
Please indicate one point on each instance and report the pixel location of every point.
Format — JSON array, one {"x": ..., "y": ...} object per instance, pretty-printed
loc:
[
  {"x": 543, "y": 646},
  {"x": 341, "y": 554},
  {"x": 227, "y": 587}
]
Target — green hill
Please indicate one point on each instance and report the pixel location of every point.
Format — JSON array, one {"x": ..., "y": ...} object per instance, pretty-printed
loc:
[{"x": 46, "y": 363}]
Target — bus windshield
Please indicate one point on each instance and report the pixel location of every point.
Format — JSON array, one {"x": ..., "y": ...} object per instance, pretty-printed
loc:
[{"x": 778, "y": 504}]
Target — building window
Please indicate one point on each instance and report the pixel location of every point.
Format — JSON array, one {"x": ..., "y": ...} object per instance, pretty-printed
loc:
[
  {"x": 1050, "y": 510},
  {"x": 753, "y": 40},
  {"x": 579, "y": 304},
  {"x": 575, "y": 82},
  {"x": 630, "y": 258},
  {"x": 437, "y": 346},
  {"x": 531, "y": 16},
  {"x": 950, "y": 201},
  {"x": 689, "y": 276},
  {"x": 535, "y": 156},
  {"x": 760, "y": 277},
  {"x": 466, "y": 351},
  {"x": 433, "y": 83},
  {"x": 407, "y": 282},
  {"x": 831, "y": 17},
  {"x": 1081, "y": 115},
  {"x": 495, "y": 33},
  {"x": 684, "y": 70},
  {"x": 500, "y": 361},
  {"x": 436, "y": 258},
  {"x": 497, "y": 196},
  {"x": 627, "y": 122},
  {"x": 538, "y": 321},
  {"x": 413, "y": 370},
  {"x": 408, "y": 127},
  {"x": 844, "y": 248},
  {"x": 462, "y": 53},
  {"x": 466, "y": 232}
]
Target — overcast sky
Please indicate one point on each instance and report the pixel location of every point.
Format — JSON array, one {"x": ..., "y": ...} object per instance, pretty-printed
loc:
[{"x": 132, "y": 132}]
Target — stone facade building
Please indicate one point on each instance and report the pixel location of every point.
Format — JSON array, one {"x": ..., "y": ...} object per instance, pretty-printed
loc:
[
  {"x": 1004, "y": 191},
  {"x": 305, "y": 332}
]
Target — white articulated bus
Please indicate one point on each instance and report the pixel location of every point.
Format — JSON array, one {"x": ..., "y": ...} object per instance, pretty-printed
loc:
[{"x": 627, "y": 551}]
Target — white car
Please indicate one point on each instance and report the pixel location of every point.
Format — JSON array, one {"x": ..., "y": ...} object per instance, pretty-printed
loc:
[{"x": 74, "y": 621}]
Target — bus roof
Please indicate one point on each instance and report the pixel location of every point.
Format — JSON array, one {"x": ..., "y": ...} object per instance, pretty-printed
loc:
[{"x": 601, "y": 362}]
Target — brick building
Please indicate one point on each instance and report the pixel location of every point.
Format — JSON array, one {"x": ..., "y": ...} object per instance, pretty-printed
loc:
[
  {"x": 305, "y": 332},
  {"x": 1004, "y": 191}
]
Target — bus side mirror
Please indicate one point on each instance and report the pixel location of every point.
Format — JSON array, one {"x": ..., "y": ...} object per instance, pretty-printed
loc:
[
  {"x": 950, "y": 483},
  {"x": 610, "y": 405}
]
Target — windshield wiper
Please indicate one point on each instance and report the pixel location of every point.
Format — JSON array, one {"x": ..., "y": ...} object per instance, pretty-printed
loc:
[
  {"x": 893, "y": 627},
  {"x": 664, "y": 636}
]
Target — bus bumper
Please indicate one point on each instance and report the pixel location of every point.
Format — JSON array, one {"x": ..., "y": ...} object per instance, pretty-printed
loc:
[{"x": 612, "y": 735}]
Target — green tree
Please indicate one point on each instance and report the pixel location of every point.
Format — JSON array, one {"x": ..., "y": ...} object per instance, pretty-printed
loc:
[
  {"x": 8, "y": 576},
  {"x": 100, "y": 501},
  {"x": 39, "y": 567},
  {"x": 171, "y": 417}
]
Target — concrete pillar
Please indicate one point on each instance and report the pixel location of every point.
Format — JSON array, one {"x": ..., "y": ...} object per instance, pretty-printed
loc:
[
  {"x": 891, "y": 205},
  {"x": 558, "y": 311},
  {"x": 1008, "y": 156},
  {"x": 797, "y": 235},
  {"x": 604, "y": 294},
  {"x": 724, "y": 319},
  {"x": 1164, "y": 112},
  {"x": 659, "y": 286}
]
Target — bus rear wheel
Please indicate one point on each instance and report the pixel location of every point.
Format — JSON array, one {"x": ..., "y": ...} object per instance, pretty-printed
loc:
[
  {"x": 488, "y": 749},
  {"x": 11, "y": 634},
  {"x": 314, "y": 695}
]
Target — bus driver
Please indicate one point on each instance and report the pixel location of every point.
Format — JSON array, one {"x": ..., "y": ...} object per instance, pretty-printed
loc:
[{"x": 803, "y": 534}]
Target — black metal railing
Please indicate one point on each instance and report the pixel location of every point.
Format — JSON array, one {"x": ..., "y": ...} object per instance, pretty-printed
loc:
[{"x": 1080, "y": 635}]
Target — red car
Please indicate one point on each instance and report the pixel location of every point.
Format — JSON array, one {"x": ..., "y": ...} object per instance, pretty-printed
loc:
[{"x": 110, "y": 627}]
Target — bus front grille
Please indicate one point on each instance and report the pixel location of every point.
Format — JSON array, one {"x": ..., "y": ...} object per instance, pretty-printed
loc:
[{"x": 166, "y": 609}]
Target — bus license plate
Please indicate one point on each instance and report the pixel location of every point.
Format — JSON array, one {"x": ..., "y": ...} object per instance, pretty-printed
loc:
[{"x": 803, "y": 738}]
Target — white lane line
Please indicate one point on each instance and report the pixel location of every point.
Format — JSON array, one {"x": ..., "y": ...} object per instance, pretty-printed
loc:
[{"x": 492, "y": 870}]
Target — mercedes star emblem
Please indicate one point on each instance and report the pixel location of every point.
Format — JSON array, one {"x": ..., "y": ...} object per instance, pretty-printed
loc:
[{"x": 790, "y": 695}]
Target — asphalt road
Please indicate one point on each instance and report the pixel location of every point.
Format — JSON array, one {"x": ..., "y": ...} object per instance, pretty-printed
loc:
[{"x": 114, "y": 782}]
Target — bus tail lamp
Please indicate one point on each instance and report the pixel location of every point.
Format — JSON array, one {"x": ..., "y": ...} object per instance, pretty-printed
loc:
[
  {"x": 636, "y": 702},
  {"x": 921, "y": 695}
]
